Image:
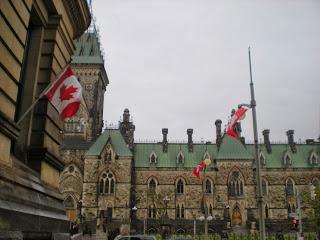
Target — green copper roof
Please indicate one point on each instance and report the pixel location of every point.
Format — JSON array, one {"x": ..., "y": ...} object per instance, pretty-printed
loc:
[
  {"x": 143, "y": 151},
  {"x": 232, "y": 148},
  {"x": 116, "y": 140},
  {"x": 88, "y": 49},
  {"x": 299, "y": 159}
]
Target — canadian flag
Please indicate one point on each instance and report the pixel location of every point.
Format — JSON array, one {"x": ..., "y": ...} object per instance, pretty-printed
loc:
[
  {"x": 239, "y": 114},
  {"x": 65, "y": 93},
  {"x": 196, "y": 171}
]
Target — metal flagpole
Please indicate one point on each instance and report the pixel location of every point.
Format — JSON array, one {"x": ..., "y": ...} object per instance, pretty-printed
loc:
[
  {"x": 41, "y": 95},
  {"x": 259, "y": 181}
]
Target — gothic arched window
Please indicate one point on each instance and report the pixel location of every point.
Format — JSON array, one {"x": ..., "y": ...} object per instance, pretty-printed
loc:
[
  {"x": 235, "y": 185},
  {"x": 262, "y": 159},
  {"x": 290, "y": 187},
  {"x": 107, "y": 183},
  {"x": 152, "y": 186},
  {"x": 153, "y": 158},
  {"x": 313, "y": 159},
  {"x": 287, "y": 159},
  {"x": 208, "y": 186},
  {"x": 180, "y": 158},
  {"x": 266, "y": 210},
  {"x": 180, "y": 187}
]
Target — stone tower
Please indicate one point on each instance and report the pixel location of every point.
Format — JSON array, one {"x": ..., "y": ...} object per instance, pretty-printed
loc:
[
  {"x": 81, "y": 131},
  {"x": 127, "y": 128}
]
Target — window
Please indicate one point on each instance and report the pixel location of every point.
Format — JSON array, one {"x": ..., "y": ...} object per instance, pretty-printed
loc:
[
  {"x": 206, "y": 155},
  {"x": 290, "y": 187},
  {"x": 287, "y": 159},
  {"x": 179, "y": 211},
  {"x": 69, "y": 126},
  {"x": 235, "y": 185},
  {"x": 313, "y": 159},
  {"x": 153, "y": 158},
  {"x": 109, "y": 214},
  {"x": 107, "y": 183},
  {"x": 266, "y": 209},
  {"x": 152, "y": 186},
  {"x": 262, "y": 159},
  {"x": 180, "y": 158},
  {"x": 264, "y": 187},
  {"x": 208, "y": 186},
  {"x": 180, "y": 186},
  {"x": 152, "y": 211}
]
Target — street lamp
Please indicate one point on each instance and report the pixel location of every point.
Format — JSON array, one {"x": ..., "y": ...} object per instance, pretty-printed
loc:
[
  {"x": 165, "y": 221},
  {"x": 207, "y": 162}
]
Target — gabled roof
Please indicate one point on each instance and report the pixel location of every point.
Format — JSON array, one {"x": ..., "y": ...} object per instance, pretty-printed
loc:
[
  {"x": 88, "y": 49},
  {"x": 232, "y": 148},
  {"x": 169, "y": 159},
  {"x": 114, "y": 137}
]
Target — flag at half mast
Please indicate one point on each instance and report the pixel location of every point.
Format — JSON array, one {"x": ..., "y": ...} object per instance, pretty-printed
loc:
[{"x": 65, "y": 93}]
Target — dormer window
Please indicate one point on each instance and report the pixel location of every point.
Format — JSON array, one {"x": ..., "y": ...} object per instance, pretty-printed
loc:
[
  {"x": 262, "y": 159},
  {"x": 313, "y": 158},
  {"x": 206, "y": 155},
  {"x": 287, "y": 159},
  {"x": 153, "y": 158},
  {"x": 180, "y": 158}
]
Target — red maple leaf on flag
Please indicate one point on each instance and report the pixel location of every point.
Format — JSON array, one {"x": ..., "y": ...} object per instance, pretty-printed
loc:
[{"x": 66, "y": 92}]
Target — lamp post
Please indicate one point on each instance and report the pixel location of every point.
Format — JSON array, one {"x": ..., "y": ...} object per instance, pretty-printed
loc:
[
  {"x": 165, "y": 221},
  {"x": 207, "y": 162}
]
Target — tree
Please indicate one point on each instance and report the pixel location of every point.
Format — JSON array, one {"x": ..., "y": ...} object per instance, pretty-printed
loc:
[{"x": 312, "y": 199}]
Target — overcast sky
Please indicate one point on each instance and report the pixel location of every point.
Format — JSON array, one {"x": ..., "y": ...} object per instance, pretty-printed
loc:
[{"x": 184, "y": 63}]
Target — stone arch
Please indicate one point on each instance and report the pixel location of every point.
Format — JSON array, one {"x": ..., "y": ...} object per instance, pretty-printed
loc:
[
  {"x": 315, "y": 182},
  {"x": 180, "y": 231},
  {"x": 208, "y": 180},
  {"x": 70, "y": 181},
  {"x": 70, "y": 205},
  {"x": 152, "y": 183},
  {"x": 236, "y": 216}
]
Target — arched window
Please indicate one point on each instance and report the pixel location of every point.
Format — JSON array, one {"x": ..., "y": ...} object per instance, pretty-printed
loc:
[
  {"x": 293, "y": 208},
  {"x": 266, "y": 209},
  {"x": 182, "y": 211},
  {"x": 206, "y": 155},
  {"x": 264, "y": 187},
  {"x": 178, "y": 211},
  {"x": 153, "y": 158},
  {"x": 152, "y": 186},
  {"x": 287, "y": 159},
  {"x": 180, "y": 189},
  {"x": 290, "y": 187},
  {"x": 107, "y": 183},
  {"x": 235, "y": 185},
  {"x": 180, "y": 158},
  {"x": 313, "y": 158},
  {"x": 208, "y": 186},
  {"x": 262, "y": 159},
  {"x": 289, "y": 209}
]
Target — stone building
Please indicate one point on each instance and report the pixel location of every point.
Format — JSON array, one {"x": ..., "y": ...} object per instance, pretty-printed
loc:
[
  {"x": 127, "y": 182},
  {"x": 81, "y": 131},
  {"x": 36, "y": 43}
]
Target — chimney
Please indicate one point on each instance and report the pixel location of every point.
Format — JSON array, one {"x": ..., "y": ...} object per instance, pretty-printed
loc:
[
  {"x": 190, "y": 143},
  {"x": 291, "y": 142},
  {"x": 126, "y": 115},
  {"x": 164, "y": 140},
  {"x": 218, "y": 132},
  {"x": 266, "y": 138},
  {"x": 243, "y": 140}
]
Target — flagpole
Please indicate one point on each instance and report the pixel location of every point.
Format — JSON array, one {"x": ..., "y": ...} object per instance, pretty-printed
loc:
[
  {"x": 259, "y": 181},
  {"x": 41, "y": 95}
]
